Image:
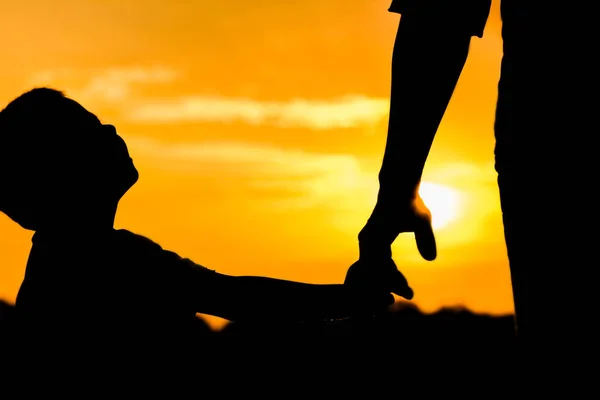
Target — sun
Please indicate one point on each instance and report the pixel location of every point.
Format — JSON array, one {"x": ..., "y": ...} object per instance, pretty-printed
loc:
[{"x": 443, "y": 201}]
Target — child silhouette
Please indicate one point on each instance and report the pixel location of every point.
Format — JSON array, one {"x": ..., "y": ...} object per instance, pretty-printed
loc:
[{"x": 62, "y": 174}]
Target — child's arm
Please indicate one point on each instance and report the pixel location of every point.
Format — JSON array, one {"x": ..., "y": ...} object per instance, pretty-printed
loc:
[{"x": 251, "y": 298}]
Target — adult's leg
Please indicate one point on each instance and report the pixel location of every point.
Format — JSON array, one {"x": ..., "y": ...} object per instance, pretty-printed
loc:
[
  {"x": 508, "y": 174},
  {"x": 539, "y": 132}
]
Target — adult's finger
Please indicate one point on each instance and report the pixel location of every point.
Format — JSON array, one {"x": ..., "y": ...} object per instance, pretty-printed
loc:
[{"x": 425, "y": 239}]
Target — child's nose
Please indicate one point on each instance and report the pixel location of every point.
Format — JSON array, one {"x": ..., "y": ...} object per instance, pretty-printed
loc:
[{"x": 110, "y": 129}]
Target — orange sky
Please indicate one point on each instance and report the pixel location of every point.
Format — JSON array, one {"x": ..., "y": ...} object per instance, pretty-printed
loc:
[{"x": 258, "y": 129}]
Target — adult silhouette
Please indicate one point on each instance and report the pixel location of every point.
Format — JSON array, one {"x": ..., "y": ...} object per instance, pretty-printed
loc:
[
  {"x": 63, "y": 173},
  {"x": 538, "y": 128}
]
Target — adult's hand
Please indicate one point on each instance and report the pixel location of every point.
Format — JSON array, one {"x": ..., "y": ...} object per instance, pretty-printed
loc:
[{"x": 375, "y": 267}]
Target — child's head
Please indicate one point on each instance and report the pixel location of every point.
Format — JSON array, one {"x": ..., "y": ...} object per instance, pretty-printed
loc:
[{"x": 58, "y": 161}]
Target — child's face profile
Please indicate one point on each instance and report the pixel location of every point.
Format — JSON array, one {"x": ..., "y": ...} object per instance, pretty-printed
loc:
[
  {"x": 102, "y": 165},
  {"x": 111, "y": 160}
]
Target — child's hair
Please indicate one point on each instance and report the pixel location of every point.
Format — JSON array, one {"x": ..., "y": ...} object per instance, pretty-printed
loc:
[{"x": 38, "y": 136}]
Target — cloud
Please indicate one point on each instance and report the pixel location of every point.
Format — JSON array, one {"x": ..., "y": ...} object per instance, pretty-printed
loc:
[
  {"x": 245, "y": 159},
  {"x": 290, "y": 180},
  {"x": 270, "y": 165},
  {"x": 335, "y": 189},
  {"x": 293, "y": 179},
  {"x": 344, "y": 112},
  {"x": 110, "y": 84},
  {"x": 116, "y": 87}
]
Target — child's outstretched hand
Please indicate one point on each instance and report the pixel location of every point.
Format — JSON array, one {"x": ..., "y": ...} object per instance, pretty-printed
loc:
[
  {"x": 367, "y": 300},
  {"x": 378, "y": 275}
]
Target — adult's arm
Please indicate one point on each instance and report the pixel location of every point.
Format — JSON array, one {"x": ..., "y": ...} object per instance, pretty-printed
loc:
[{"x": 430, "y": 51}]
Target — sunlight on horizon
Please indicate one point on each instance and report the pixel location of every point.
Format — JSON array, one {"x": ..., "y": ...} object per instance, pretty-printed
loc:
[{"x": 443, "y": 201}]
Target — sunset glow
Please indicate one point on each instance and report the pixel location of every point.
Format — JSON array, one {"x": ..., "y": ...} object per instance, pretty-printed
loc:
[
  {"x": 259, "y": 128},
  {"x": 443, "y": 202}
]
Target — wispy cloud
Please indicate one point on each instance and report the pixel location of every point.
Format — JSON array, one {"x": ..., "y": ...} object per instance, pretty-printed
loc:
[
  {"x": 262, "y": 165},
  {"x": 110, "y": 84},
  {"x": 117, "y": 87},
  {"x": 291, "y": 179},
  {"x": 344, "y": 112},
  {"x": 294, "y": 180}
]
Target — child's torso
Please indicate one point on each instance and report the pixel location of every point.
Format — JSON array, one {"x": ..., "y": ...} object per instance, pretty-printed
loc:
[{"x": 118, "y": 282}]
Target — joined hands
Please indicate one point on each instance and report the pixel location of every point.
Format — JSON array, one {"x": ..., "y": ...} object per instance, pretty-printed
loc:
[{"x": 375, "y": 268}]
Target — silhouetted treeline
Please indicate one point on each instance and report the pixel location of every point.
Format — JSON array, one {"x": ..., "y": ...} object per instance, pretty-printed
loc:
[
  {"x": 403, "y": 321},
  {"x": 303, "y": 356}
]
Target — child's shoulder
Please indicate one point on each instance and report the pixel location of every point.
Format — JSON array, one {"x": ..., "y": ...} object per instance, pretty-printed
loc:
[
  {"x": 142, "y": 246},
  {"x": 129, "y": 237},
  {"x": 134, "y": 242}
]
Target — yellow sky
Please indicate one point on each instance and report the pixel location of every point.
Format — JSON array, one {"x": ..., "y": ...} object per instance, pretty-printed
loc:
[{"x": 258, "y": 129}]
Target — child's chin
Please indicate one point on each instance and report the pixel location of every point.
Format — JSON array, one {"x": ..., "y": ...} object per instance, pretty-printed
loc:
[
  {"x": 126, "y": 180},
  {"x": 132, "y": 178}
]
